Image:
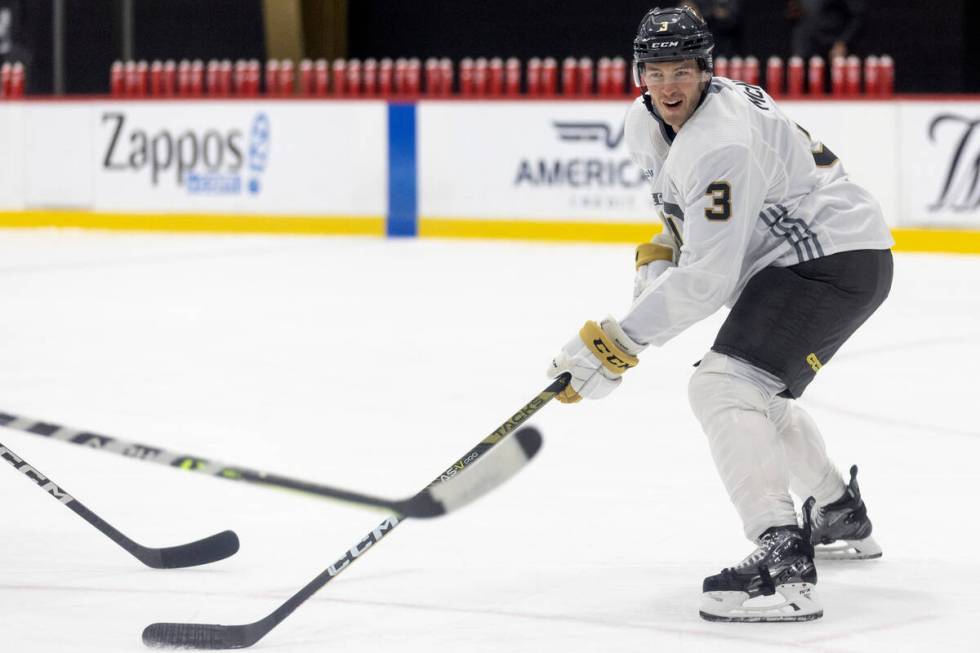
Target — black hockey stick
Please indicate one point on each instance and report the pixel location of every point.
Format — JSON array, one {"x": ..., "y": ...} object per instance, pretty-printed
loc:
[
  {"x": 210, "y": 549},
  {"x": 462, "y": 488},
  {"x": 420, "y": 506}
]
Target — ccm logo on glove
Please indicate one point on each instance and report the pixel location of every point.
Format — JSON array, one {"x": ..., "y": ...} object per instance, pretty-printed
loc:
[{"x": 612, "y": 357}]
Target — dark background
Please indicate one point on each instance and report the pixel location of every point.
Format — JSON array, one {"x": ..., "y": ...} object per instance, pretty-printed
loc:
[{"x": 934, "y": 43}]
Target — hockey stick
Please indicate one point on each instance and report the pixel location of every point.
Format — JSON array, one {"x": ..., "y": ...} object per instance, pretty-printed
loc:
[
  {"x": 453, "y": 487},
  {"x": 421, "y": 505},
  {"x": 210, "y": 549}
]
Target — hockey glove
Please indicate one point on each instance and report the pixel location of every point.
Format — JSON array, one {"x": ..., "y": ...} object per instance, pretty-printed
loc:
[
  {"x": 596, "y": 359},
  {"x": 652, "y": 260}
]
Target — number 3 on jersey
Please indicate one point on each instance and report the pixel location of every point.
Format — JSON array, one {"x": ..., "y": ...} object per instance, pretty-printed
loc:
[{"x": 721, "y": 204}]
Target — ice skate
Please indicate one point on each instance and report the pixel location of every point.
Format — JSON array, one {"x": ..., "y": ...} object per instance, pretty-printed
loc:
[
  {"x": 774, "y": 583},
  {"x": 842, "y": 530}
]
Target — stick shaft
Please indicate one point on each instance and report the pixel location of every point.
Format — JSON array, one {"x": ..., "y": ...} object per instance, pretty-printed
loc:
[{"x": 189, "y": 462}]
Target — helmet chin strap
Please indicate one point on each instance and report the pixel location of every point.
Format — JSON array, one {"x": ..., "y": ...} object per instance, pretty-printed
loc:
[{"x": 704, "y": 91}]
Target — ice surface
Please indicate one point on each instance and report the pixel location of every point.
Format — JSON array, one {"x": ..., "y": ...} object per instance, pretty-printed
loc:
[{"x": 372, "y": 364}]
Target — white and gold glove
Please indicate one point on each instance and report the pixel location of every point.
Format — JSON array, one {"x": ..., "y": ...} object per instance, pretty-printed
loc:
[
  {"x": 652, "y": 260},
  {"x": 596, "y": 358}
]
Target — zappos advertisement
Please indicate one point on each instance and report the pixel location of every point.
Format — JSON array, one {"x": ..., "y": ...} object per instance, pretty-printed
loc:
[
  {"x": 241, "y": 157},
  {"x": 217, "y": 160}
]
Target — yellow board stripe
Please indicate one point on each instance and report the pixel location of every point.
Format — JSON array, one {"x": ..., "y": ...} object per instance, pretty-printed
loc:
[
  {"x": 959, "y": 241},
  {"x": 951, "y": 241},
  {"x": 596, "y": 232},
  {"x": 294, "y": 224}
]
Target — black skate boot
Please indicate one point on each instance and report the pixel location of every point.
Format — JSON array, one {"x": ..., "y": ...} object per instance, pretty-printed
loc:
[
  {"x": 775, "y": 583},
  {"x": 842, "y": 530}
]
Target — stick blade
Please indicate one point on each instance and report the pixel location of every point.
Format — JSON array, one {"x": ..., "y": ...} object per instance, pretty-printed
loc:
[
  {"x": 211, "y": 549},
  {"x": 486, "y": 473},
  {"x": 210, "y": 637}
]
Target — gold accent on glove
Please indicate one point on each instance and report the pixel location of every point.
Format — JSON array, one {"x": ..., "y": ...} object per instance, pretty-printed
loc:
[
  {"x": 602, "y": 347},
  {"x": 568, "y": 396},
  {"x": 648, "y": 252}
]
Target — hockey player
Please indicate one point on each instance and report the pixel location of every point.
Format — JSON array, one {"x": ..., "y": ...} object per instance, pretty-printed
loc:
[{"x": 760, "y": 217}]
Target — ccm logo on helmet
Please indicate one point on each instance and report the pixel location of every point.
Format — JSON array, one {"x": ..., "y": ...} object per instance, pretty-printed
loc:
[{"x": 664, "y": 44}]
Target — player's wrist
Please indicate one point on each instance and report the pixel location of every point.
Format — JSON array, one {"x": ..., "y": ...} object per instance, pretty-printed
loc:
[{"x": 611, "y": 327}]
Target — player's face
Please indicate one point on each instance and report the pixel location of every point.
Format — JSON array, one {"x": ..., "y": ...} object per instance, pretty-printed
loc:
[{"x": 675, "y": 88}]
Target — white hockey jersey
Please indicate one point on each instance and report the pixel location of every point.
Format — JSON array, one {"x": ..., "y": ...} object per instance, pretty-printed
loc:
[{"x": 740, "y": 187}]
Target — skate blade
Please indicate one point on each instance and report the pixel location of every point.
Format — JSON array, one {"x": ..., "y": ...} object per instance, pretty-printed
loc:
[
  {"x": 791, "y": 602},
  {"x": 866, "y": 549}
]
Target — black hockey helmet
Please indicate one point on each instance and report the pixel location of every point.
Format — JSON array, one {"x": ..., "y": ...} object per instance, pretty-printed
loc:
[{"x": 672, "y": 34}]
